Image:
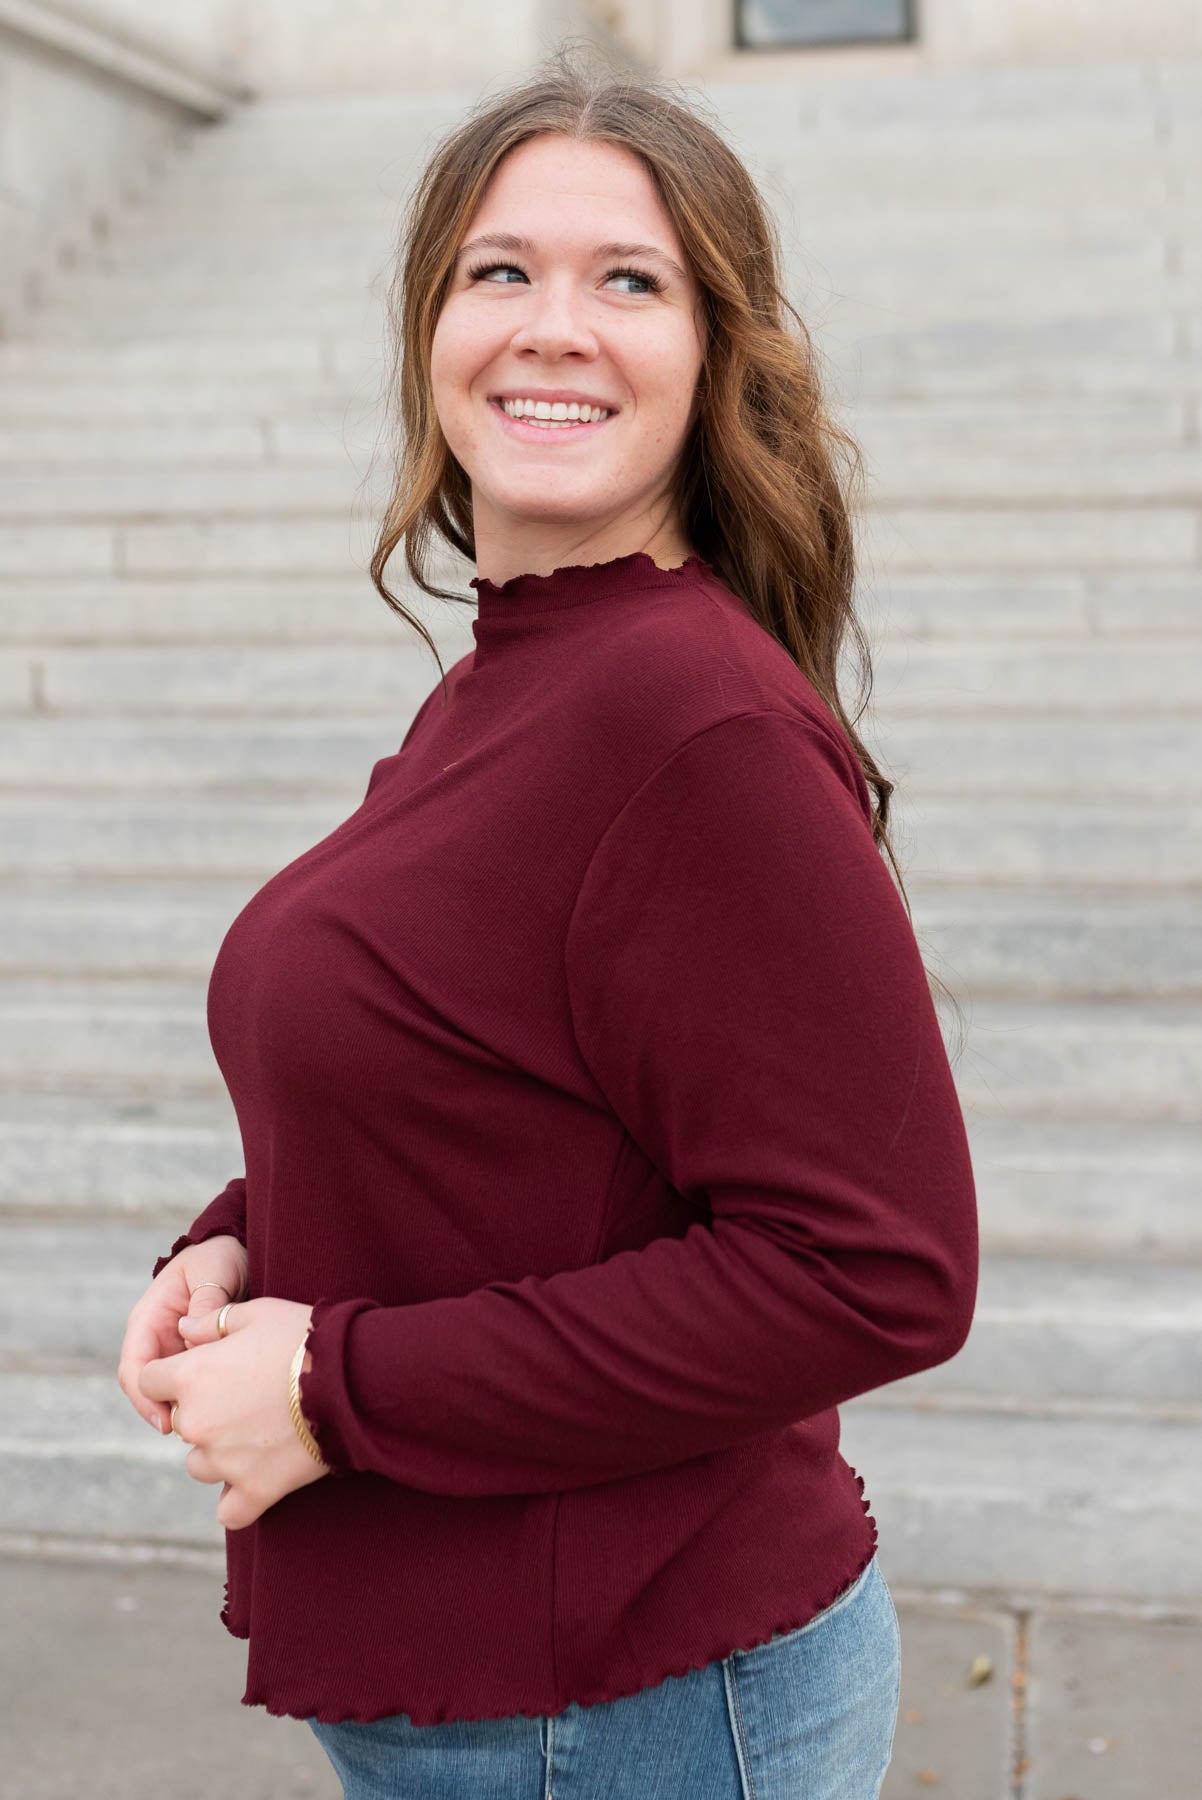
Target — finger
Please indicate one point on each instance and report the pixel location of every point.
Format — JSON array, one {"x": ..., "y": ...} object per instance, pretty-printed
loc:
[
  {"x": 159, "y": 1379},
  {"x": 206, "y": 1299},
  {"x": 200, "y": 1466},
  {"x": 201, "y": 1327},
  {"x": 234, "y": 1510},
  {"x": 139, "y": 1347}
]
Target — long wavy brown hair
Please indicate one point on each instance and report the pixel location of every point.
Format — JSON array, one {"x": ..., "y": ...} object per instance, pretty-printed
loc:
[{"x": 767, "y": 484}]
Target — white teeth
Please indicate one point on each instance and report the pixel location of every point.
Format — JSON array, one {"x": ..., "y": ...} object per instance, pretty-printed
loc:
[{"x": 554, "y": 413}]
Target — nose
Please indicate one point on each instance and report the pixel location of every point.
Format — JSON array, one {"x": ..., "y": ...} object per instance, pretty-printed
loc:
[{"x": 554, "y": 322}]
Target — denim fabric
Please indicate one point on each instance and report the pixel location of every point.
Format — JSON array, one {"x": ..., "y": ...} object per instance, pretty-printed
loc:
[{"x": 811, "y": 1713}]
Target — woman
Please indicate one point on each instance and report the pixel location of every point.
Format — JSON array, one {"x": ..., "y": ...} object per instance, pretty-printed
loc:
[{"x": 600, "y": 1134}]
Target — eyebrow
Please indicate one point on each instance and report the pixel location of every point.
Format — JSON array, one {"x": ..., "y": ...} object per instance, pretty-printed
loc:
[{"x": 506, "y": 240}]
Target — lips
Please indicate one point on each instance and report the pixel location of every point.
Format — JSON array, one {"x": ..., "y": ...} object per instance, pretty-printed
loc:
[
  {"x": 551, "y": 398},
  {"x": 548, "y": 430}
]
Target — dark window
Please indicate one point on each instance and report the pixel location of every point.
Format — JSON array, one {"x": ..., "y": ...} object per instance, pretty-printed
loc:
[{"x": 773, "y": 24}]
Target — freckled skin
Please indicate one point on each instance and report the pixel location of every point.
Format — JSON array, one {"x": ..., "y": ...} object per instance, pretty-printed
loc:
[{"x": 560, "y": 318}]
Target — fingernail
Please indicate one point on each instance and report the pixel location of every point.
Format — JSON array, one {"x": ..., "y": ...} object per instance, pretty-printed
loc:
[{"x": 185, "y": 1324}]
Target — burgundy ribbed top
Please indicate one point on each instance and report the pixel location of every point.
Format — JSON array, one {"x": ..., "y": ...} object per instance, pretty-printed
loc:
[{"x": 591, "y": 1086}]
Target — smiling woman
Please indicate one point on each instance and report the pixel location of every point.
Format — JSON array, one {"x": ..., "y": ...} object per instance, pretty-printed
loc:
[
  {"x": 600, "y": 1136},
  {"x": 626, "y": 342}
]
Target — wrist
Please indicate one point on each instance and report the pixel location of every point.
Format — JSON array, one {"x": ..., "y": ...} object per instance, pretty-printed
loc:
[{"x": 303, "y": 1356}]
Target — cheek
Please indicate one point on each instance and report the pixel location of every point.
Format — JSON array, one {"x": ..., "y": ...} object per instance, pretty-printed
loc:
[
  {"x": 666, "y": 379},
  {"x": 443, "y": 370},
  {"x": 455, "y": 356}
]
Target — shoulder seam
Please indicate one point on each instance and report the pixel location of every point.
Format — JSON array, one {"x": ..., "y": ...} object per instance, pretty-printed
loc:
[{"x": 751, "y": 712}]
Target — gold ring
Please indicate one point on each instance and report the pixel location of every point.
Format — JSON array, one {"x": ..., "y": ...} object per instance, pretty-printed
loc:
[
  {"x": 179, "y": 1434},
  {"x": 222, "y": 1327}
]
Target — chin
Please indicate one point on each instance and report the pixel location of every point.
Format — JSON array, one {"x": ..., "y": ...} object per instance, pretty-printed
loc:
[{"x": 544, "y": 508}]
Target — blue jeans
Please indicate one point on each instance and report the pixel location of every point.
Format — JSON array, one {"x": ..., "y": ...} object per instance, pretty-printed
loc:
[{"x": 809, "y": 1715}]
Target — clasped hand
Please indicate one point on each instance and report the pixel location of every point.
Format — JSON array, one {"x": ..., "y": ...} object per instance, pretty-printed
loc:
[{"x": 233, "y": 1404}]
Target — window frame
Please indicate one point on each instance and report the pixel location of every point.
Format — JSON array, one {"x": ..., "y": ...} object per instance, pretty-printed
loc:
[{"x": 907, "y": 35}]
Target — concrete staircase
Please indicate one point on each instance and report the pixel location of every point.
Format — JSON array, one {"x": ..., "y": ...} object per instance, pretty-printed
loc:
[{"x": 1004, "y": 270}]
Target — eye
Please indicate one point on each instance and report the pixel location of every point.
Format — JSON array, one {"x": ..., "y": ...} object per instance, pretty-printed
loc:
[
  {"x": 478, "y": 274},
  {"x": 651, "y": 283}
]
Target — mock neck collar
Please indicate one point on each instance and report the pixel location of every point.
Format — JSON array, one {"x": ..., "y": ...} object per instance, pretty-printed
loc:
[{"x": 577, "y": 583}]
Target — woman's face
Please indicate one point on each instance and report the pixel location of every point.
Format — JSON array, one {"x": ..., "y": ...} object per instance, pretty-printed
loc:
[{"x": 588, "y": 302}]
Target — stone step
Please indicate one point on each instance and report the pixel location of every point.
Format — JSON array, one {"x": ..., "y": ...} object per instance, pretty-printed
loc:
[
  {"x": 1101, "y": 209},
  {"x": 978, "y": 95},
  {"x": 1099, "y": 843},
  {"x": 1032, "y": 1503},
  {"x": 1063, "y": 1330},
  {"x": 286, "y": 679},
  {"x": 339, "y": 544},
  {"x": 1092, "y": 1331},
  {"x": 1139, "y": 336},
  {"x": 1095, "y": 420},
  {"x": 141, "y": 358},
  {"x": 263, "y": 756},
  {"x": 846, "y": 313},
  {"x": 897, "y": 474},
  {"x": 360, "y": 197},
  {"x": 1110, "y": 1060},
  {"x": 100, "y": 611},
  {"x": 856, "y": 331},
  {"x": 183, "y": 835},
  {"x": 202, "y": 443},
  {"x": 280, "y": 181},
  {"x": 1116, "y": 1059},
  {"x": 829, "y": 284},
  {"x": 904, "y": 473},
  {"x": 229, "y": 443},
  {"x": 1070, "y": 676},
  {"x": 1027, "y": 132},
  {"x": 826, "y": 278},
  {"x": 1114, "y": 85},
  {"x": 1140, "y": 188},
  {"x": 178, "y": 491},
  {"x": 1073, "y": 676},
  {"x": 78, "y": 1432},
  {"x": 991, "y": 941},
  {"x": 896, "y": 370},
  {"x": 1087, "y": 943},
  {"x": 1007, "y": 759},
  {"x": 1136, "y": 846},
  {"x": 1036, "y": 754},
  {"x": 257, "y": 394},
  {"x": 1003, "y": 538},
  {"x": 1073, "y": 341},
  {"x": 1130, "y": 603},
  {"x": 1090, "y": 423},
  {"x": 964, "y": 1496},
  {"x": 849, "y": 311},
  {"x": 1091, "y": 1187},
  {"x": 904, "y": 539},
  {"x": 1140, "y": 603},
  {"x": 866, "y": 381},
  {"x": 159, "y": 1158},
  {"x": 1098, "y": 1186},
  {"x": 122, "y": 1038}
]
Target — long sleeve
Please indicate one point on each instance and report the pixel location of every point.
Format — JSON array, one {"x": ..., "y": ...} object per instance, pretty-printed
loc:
[
  {"x": 748, "y": 997},
  {"x": 224, "y": 1216}
]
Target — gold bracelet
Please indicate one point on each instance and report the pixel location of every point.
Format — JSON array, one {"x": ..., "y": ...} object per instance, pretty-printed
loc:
[{"x": 294, "y": 1407}]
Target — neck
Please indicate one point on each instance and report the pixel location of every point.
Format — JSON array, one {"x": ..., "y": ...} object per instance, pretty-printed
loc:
[{"x": 517, "y": 549}]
